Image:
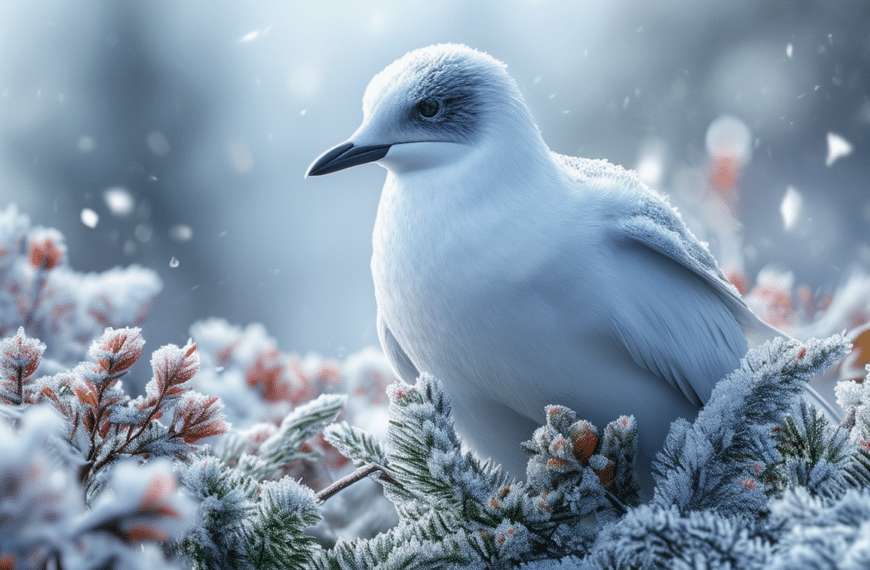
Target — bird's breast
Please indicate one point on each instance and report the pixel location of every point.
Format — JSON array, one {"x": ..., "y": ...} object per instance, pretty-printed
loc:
[{"x": 480, "y": 294}]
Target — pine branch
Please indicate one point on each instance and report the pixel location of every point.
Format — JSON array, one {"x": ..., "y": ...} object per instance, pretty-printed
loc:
[
  {"x": 355, "y": 444},
  {"x": 711, "y": 464},
  {"x": 285, "y": 445},
  {"x": 380, "y": 472}
]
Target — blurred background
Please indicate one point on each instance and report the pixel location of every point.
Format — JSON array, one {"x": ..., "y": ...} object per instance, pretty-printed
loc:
[{"x": 175, "y": 135}]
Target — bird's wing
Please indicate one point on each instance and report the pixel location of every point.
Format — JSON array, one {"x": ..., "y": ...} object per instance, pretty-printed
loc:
[
  {"x": 402, "y": 365},
  {"x": 670, "y": 320},
  {"x": 656, "y": 225},
  {"x": 677, "y": 314},
  {"x": 652, "y": 221}
]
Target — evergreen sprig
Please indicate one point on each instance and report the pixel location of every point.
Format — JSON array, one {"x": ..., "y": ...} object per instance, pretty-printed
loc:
[{"x": 713, "y": 463}]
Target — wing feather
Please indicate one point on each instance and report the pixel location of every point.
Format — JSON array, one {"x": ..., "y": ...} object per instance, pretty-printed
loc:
[
  {"x": 402, "y": 365},
  {"x": 680, "y": 317}
]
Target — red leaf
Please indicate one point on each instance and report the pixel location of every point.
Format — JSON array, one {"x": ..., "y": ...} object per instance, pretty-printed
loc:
[
  {"x": 118, "y": 349},
  {"x": 45, "y": 249},
  {"x": 198, "y": 416},
  {"x": 143, "y": 532},
  {"x": 87, "y": 393},
  {"x": 20, "y": 355},
  {"x": 173, "y": 366},
  {"x": 268, "y": 372}
]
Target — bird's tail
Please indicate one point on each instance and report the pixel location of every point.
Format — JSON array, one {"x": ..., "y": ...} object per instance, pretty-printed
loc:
[{"x": 833, "y": 415}]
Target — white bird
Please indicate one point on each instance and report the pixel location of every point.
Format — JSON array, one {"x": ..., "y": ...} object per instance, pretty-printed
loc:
[{"x": 520, "y": 277}]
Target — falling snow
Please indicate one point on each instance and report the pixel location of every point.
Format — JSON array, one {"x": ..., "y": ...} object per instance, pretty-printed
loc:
[
  {"x": 790, "y": 207},
  {"x": 90, "y": 218},
  {"x": 157, "y": 143},
  {"x": 181, "y": 232},
  {"x": 727, "y": 135},
  {"x": 119, "y": 200},
  {"x": 838, "y": 147}
]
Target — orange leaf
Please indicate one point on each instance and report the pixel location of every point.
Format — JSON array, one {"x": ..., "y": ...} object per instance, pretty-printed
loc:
[
  {"x": 142, "y": 532},
  {"x": 584, "y": 437}
]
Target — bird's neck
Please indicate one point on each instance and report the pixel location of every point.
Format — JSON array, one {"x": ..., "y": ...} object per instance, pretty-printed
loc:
[{"x": 469, "y": 209}]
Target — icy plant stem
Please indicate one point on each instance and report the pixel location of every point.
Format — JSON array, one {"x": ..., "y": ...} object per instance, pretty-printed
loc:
[
  {"x": 19, "y": 385},
  {"x": 617, "y": 504},
  {"x": 358, "y": 475},
  {"x": 91, "y": 467},
  {"x": 130, "y": 437},
  {"x": 35, "y": 298}
]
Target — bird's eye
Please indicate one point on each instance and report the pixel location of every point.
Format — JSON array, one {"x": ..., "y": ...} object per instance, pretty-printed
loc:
[{"x": 428, "y": 106}]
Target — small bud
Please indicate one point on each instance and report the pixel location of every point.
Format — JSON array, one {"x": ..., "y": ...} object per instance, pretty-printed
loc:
[
  {"x": 603, "y": 467},
  {"x": 560, "y": 417},
  {"x": 117, "y": 349},
  {"x": 558, "y": 464},
  {"x": 584, "y": 438},
  {"x": 20, "y": 355},
  {"x": 559, "y": 447},
  {"x": 607, "y": 474}
]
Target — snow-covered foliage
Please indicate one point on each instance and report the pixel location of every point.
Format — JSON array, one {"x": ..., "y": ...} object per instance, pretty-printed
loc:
[
  {"x": 714, "y": 463},
  {"x": 458, "y": 511},
  {"x": 87, "y": 478},
  {"x": 229, "y": 458},
  {"x": 63, "y": 308},
  {"x": 803, "y": 313},
  {"x": 721, "y": 488},
  {"x": 267, "y": 392},
  {"x": 44, "y": 520}
]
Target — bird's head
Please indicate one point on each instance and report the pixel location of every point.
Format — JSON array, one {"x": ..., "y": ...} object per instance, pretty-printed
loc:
[{"x": 428, "y": 109}]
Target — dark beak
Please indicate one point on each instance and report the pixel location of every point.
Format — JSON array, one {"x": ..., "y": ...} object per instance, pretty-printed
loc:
[{"x": 346, "y": 155}]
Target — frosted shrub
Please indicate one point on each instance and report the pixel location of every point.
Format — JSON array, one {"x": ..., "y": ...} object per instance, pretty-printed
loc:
[{"x": 230, "y": 458}]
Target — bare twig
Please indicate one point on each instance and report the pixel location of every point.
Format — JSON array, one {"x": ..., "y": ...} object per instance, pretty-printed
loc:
[
  {"x": 616, "y": 503},
  {"x": 359, "y": 474}
]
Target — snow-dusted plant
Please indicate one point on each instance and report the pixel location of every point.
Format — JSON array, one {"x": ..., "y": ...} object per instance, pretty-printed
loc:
[
  {"x": 63, "y": 308},
  {"x": 562, "y": 450},
  {"x": 456, "y": 511},
  {"x": 245, "y": 521},
  {"x": 44, "y": 521},
  {"x": 105, "y": 425},
  {"x": 722, "y": 482},
  {"x": 802, "y": 313},
  {"x": 715, "y": 462},
  {"x": 100, "y": 484},
  {"x": 263, "y": 388},
  {"x": 854, "y": 397}
]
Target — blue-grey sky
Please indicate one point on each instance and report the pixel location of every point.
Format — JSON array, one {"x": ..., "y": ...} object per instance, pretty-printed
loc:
[{"x": 203, "y": 116}]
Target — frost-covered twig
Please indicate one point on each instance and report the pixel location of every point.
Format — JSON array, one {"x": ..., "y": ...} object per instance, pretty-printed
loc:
[
  {"x": 713, "y": 462},
  {"x": 380, "y": 472}
]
